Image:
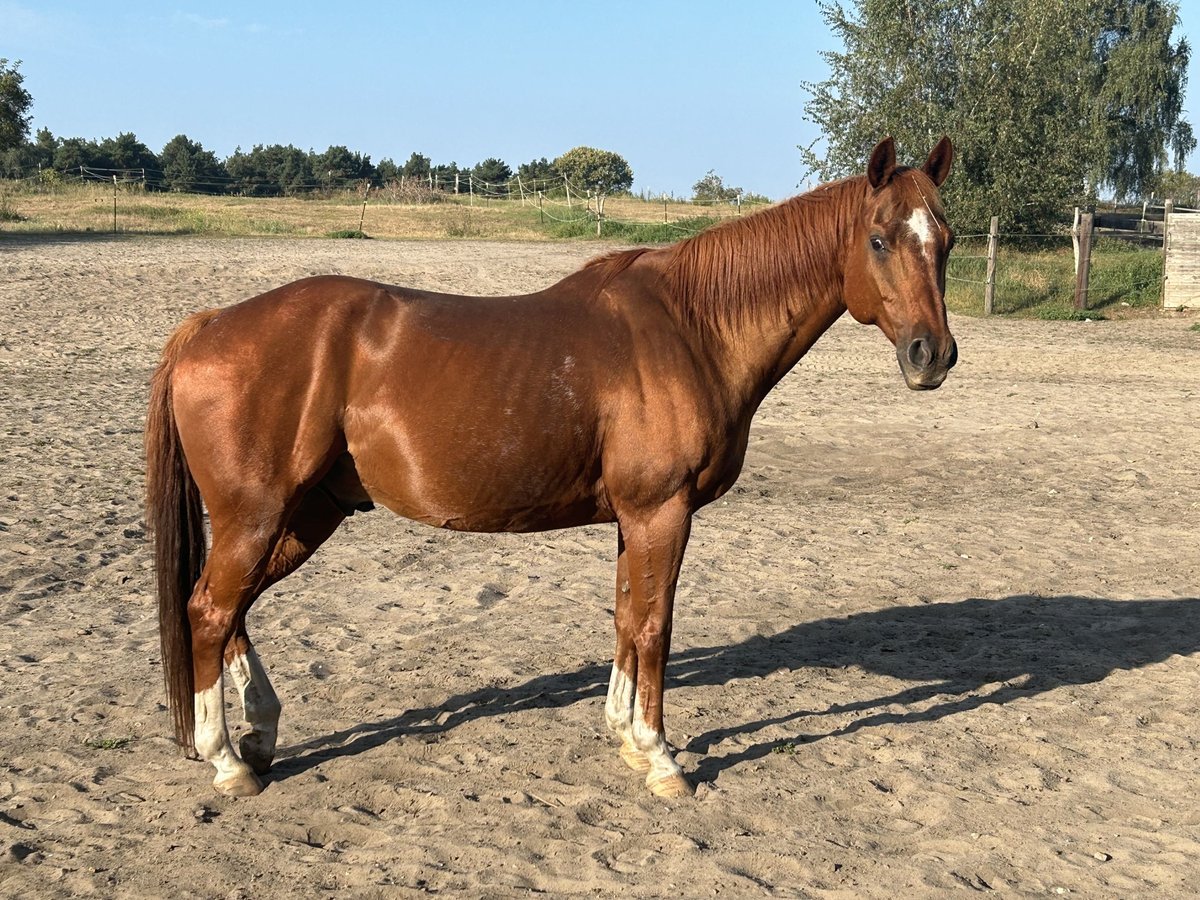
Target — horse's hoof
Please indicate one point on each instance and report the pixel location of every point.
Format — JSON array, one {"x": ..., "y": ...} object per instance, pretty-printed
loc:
[
  {"x": 635, "y": 759},
  {"x": 253, "y": 754},
  {"x": 671, "y": 787},
  {"x": 239, "y": 784}
]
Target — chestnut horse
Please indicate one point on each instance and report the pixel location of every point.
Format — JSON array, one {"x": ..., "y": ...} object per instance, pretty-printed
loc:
[{"x": 623, "y": 393}]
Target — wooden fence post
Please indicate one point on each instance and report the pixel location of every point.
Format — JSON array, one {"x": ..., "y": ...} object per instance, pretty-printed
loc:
[
  {"x": 1085, "y": 260},
  {"x": 1168, "y": 211},
  {"x": 989, "y": 290},
  {"x": 1075, "y": 239}
]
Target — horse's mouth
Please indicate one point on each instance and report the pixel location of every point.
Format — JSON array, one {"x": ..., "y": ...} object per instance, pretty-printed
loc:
[{"x": 925, "y": 381}]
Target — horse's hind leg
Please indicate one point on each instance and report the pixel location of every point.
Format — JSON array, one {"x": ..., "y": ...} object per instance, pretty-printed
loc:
[
  {"x": 260, "y": 705},
  {"x": 228, "y": 585},
  {"x": 314, "y": 520}
]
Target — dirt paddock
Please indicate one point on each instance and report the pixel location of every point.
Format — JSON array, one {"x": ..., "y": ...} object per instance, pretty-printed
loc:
[{"x": 929, "y": 642}]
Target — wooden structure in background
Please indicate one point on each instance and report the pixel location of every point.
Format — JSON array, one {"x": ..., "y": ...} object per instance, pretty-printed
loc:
[{"x": 1181, "y": 268}]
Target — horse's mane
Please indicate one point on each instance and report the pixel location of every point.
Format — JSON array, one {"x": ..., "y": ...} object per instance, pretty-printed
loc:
[{"x": 762, "y": 266}]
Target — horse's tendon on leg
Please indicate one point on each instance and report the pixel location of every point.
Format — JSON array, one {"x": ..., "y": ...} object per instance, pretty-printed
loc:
[
  {"x": 655, "y": 544},
  {"x": 217, "y": 607},
  {"x": 312, "y": 522}
]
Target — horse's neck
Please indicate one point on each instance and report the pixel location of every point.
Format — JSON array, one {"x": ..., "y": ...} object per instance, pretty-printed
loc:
[{"x": 793, "y": 299}]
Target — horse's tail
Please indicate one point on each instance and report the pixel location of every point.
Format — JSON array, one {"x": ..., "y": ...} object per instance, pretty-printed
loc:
[{"x": 175, "y": 516}]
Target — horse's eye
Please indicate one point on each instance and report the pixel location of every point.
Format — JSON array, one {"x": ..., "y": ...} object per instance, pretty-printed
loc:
[{"x": 877, "y": 244}]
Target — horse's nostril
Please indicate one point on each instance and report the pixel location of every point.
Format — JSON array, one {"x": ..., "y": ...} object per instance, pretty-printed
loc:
[
  {"x": 953, "y": 354},
  {"x": 919, "y": 353}
]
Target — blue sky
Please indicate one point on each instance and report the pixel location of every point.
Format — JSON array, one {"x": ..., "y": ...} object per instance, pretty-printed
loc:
[{"x": 677, "y": 88}]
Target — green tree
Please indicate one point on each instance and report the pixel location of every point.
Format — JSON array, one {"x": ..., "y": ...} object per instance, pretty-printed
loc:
[
  {"x": 1182, "y": 187},
  {"x": 15, "y": 103},
  {"x": 386, "y": 170},
  {"x": 537, "y": 173},
  {"x": 187, "y": 166},
  {"x": 1035, "y": 94},
  {"x": 72, "y": 154},
  {"x": 43, "y": 148},
  {"x": 338, "y": 166},
  {"x": 493, "y": 172},
  {"x": 444, "y": 175},
  {"x": 1139, "y": 80},
  {"x": 600, "y": 171},
  {"x": 270, "y": 171},
  {"x": 417, "y": 166},
  {"x": 711, "y": 188},
  {"x": 30, "y": 159},
  {"x": 125, "y": 151}
]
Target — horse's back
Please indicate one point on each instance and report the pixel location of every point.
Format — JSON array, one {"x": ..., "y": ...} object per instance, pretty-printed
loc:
[{"x": 479, "y": 413}]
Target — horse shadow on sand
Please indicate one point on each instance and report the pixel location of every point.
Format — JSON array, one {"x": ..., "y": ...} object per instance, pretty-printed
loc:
[{"x": 962, "y": 654}]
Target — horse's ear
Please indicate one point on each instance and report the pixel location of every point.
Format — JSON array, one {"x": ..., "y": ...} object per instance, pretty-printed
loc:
[
  {"x": 941, "y": 157},
  {"x": 883, "y": 163}
]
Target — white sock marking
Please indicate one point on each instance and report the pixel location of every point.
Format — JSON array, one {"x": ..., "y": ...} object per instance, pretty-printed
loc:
[
  {"x": 653, "y": 744},
  {"x": 212, "y": 738},
  {"x": 259, "y": 703},
  {"x": 618, "y": 708}
]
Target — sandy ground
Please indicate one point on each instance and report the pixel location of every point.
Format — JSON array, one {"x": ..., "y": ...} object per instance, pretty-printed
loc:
[{"x": 930, "y": 641}]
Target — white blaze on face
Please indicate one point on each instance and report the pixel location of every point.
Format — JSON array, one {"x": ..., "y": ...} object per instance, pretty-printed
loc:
[{"x": 922, "y": 225}]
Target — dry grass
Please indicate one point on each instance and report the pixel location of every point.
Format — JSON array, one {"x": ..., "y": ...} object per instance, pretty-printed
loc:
[{"x": 89, "y": 208}]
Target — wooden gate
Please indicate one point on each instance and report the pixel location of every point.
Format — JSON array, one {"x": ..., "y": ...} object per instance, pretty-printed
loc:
[{"x": 1181, "y": 270}]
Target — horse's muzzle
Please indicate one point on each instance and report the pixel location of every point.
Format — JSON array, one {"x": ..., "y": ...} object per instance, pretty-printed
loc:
[{"x": 925, "y": 362}]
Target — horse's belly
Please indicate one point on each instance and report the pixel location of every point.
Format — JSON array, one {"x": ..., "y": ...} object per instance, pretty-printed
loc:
[{"x": 482, "y": 486}]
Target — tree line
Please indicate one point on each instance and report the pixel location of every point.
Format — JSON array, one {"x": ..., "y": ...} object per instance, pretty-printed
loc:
[
  {"x": 1050, "y": 103},
  {"x": 184, "y": 164},
  {"x": 276, "y": 170}
]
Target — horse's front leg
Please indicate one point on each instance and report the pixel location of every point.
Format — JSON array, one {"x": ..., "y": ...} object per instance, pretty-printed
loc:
[
  {"x": 653, "y": 545},
  {"x": 622, "y": 683}
]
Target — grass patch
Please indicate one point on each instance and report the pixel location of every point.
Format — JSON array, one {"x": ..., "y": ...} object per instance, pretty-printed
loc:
[
  {"x": 1039, "y": 282},
  {"x": 1195, "y": 326},
  {"x": 108, "y": 743},
  {"x": 8, "y": 212},
  {"x": 633, "y": 232},
  {"x": 462, "y": 226},
  {"x": 352, "y": 233},
  {"x": 87, "y": 208},
  {"x": 271, "y": 226}
]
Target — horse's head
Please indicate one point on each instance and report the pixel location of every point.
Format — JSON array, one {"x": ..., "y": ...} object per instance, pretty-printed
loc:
[{"x": 896, "y": 268}]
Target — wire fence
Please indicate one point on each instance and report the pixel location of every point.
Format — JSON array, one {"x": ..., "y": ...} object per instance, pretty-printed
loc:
[
  {"x": 1039, "y": 272},
  {"x": 558, "y": 201},
  {"x": 1031, "y": 271}
]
